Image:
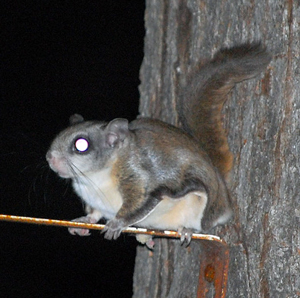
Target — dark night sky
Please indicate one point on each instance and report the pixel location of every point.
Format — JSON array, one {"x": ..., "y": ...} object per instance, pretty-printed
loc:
[{"x": 60, "y": 58}]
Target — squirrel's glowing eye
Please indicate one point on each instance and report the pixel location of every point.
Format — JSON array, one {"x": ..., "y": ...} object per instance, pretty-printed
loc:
[{"x": 81, "y": 145}]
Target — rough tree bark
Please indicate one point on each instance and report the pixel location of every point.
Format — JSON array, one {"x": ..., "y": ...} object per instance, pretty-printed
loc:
[{"x": 262, "y": 117}]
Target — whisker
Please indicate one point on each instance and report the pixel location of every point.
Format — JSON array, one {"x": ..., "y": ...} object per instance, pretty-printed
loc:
[
  {"x": 45, "y": 177},
  {"x": 66, "y": 188},
  {"x": 97, "y": 190},
  {"x": 38, "y": 171}
]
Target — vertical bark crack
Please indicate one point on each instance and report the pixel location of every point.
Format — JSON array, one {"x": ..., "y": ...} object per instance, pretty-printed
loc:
[{"x": 264, "y": 285}]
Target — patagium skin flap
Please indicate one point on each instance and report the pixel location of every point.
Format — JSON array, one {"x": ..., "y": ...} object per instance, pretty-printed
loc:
[{"x": 154, "y": 175}]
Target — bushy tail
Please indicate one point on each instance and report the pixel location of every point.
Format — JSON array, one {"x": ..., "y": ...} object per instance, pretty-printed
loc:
[{"x": 201, "y": 101}]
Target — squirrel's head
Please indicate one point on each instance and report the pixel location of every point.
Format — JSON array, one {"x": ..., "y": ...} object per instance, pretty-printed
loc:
[{"x": 86, "y": 146}]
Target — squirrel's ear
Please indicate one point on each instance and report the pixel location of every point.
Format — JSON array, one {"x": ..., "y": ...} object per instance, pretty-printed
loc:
[
  {"x": 76, "y": 118},
  {"x": 116, "y": 131}
]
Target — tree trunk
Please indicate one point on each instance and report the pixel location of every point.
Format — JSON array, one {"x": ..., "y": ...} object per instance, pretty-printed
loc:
[{"x": 262, "y": 119}]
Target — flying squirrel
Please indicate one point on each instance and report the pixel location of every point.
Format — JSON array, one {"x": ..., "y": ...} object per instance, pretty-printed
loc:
[{"x": 151, "y": 174}]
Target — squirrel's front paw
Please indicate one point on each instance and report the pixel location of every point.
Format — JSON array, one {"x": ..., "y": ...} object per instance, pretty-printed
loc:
[
  {"x": 79, "y": 231},
  {"x": 113, "y": 228}
]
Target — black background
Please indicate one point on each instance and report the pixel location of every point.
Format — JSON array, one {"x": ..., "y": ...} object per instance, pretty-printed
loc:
[{"x": 61, "y": 58}]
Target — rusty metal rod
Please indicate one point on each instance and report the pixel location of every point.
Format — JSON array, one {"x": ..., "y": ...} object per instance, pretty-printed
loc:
[{"x": 130, "y": 230}]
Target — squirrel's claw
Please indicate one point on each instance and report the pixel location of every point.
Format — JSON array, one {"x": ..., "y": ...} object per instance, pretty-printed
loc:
[
  {"x": 185, "y": 235},
  {"x": 80, "y": 231},
  {"x": 113, "y": 228}
]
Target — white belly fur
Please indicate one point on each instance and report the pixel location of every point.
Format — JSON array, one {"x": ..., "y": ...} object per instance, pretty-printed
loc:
[
  {"x": 99, "y": 191},
  {"x": 177, "y": 213}
]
